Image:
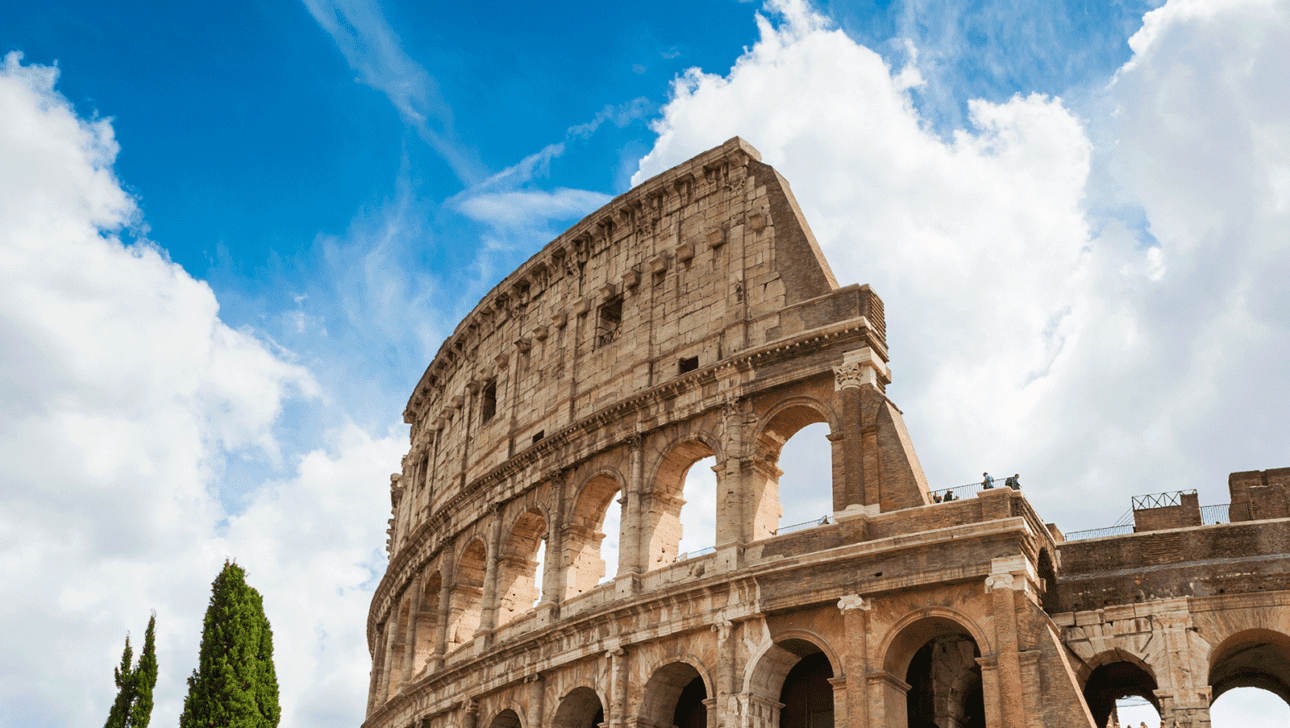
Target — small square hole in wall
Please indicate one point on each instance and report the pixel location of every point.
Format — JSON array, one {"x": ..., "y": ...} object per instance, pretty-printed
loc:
[
  {"x": 538, "y": 437},
  {"x": 687, "y": 364}
]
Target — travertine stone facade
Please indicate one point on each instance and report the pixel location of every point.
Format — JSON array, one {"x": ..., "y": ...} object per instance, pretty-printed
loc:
[{"x": 694, "y": 317}]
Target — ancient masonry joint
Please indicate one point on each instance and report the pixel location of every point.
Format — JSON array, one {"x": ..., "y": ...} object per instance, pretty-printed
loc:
[{"x": 695, "y": 317}]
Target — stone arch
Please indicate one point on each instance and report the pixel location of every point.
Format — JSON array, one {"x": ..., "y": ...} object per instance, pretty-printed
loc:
[
  {"x": 508, "y": 717},
  {"x": 467, "y": 593},
  {"x": 1115, "y": 674},
  {"x": 931, "y": 675},
  {"x": 517, "y": 577},
  {"x": 585, "y": 531},
  {"x": 676, "y": 694},
  {"x": 768, "y": 667},
  {"x": 581, "y": 707},
  {"x": 780, "y": 423},
  {"x": 661, "y": 504},
  {"x": 427, "y": 626},
  {"x": 1252, "y": 658}
]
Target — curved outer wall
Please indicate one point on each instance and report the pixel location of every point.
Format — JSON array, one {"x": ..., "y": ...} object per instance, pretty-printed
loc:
[{"x": 693, "y": 317}]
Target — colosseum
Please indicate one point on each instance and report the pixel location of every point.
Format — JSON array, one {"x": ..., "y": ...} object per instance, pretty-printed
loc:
[{"x": 695, "y": 317}]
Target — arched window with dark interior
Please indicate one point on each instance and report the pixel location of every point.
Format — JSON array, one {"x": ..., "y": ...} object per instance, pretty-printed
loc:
[{"x": 676, "y": 695}]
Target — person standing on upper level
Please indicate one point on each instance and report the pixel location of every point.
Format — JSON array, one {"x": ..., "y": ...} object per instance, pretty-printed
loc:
[
  {"x": 1014, "y": 482},
  {"x": 987, "y": 483}
]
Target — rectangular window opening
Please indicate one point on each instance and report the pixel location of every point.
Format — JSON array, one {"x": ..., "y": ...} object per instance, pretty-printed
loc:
[
  {"x": 488, "y": 406},
  {"x": 538, "y": 437},
  {"x": 610, "y": 322},
  {"x": 687, "y": 364}
]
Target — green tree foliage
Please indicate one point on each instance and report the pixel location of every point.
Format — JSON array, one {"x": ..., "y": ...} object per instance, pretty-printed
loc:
[
  {"x": 234, "y": 685},
  {"x": 133, "y": 706}
]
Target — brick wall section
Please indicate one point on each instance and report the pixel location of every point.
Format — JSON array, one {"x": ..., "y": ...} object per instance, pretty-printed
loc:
[
  {"x": 1222, "y": 559},
  {"x": 1187, "y": 513},
  {"x": 1260, "y": 494}
]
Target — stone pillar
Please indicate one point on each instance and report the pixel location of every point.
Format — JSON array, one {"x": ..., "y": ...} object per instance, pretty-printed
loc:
[
  {"x": 841, "y": 706},
  {"x": 1003, "y": 586},
  {"x": 887, "y": 701},
  {"x": 469, "y": 713},
  {"x": 617, "y": 687},
  {"x": 445, "y": 610},
  {"x": 759, "y": 712},
  {"x": 633, "y": 540},
  {"x": 488, "y": 604},
  {"x": 555, "y": 574},
  {"x": 378, "y": 669},
  {"x": 855, "y": 659},
  {"x": 724, "y": 710},
  {"x": 410, "y": 638},
  {"x": 1183, "y": 691},
  {"x": 860, "y": 368},
  {"x": 391, "y": 631},
  {"x": 537, "y": 700},
  {"x": 990, "y": 690}
]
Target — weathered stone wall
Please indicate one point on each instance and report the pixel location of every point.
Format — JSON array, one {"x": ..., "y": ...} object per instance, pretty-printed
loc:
[{"x": 695, "y": 317}]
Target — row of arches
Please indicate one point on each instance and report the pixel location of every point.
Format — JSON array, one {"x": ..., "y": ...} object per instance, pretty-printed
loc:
[
  {"x": 573, "y": 536},
  {"x": 1248, "y": 671},
  {"x": 794, "y": 681}
]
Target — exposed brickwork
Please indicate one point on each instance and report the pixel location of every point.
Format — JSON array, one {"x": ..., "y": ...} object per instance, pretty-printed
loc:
[{"x": 693, "y": 317}]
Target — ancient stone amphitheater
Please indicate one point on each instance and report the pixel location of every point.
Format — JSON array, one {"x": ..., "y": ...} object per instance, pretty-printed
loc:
[{"x": 695, "y": 317}]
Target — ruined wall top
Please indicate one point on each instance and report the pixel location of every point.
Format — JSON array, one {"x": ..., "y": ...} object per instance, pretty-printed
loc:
[{"x": 675, "y": 275}]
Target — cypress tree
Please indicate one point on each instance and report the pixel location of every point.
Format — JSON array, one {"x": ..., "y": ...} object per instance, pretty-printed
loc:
[
  {"x": 234, "y": 685},
  {"x": 119, "y": 716},
  {"x": 133, "y": 706},
  {"x": 145, "y": 678}
]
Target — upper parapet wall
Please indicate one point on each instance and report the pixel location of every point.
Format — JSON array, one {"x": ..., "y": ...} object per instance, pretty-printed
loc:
[{"x": 681, "y": 218}]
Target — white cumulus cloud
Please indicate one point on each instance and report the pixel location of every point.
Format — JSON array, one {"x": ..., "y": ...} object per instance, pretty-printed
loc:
[{"x": 122, "y": 394}]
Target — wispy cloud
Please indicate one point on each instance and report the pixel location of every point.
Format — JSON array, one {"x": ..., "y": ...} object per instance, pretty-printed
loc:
[{"x": 374, "y": 50}]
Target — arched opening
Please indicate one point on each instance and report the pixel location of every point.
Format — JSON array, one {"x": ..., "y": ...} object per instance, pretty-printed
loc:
[
  {"x": 467, "y": 592},
  {"x": 807, "y": 694},
  {"x": 1255, "y": 658},
  {"x": 581, "y": 708},
  {"x": 593, "y": 529},
  {"x": 680, "y": 477},
  {"x": 1249, "y": 708},
  {"x": 937, "y": 658},
  {"x": 427, "y": 622},
  {"x": 1134, "y": 712},
  {"x": 505, "y": 719},
  {"x": 675, "y": 695},
  {"x": 790, "y": 686},
  {"x": 518, "y": 569},
  {"x": 794, "y": 455},
  {"x": 1119, "y": 677}
]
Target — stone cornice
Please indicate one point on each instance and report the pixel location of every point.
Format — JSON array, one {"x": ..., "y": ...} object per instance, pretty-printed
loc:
[{"x": 426, "y": 541}]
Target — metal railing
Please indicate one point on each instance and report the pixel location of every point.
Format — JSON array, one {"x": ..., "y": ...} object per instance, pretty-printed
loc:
[
  {"x": 821, "y": 521},
  {"x": 1122, "y": 527},
  {"x": 1160, "y": 500},
  {"x": 610, "y": 336},
  {"x": 1215, "y": 514},
  {"x": 959, "y": 492},
  {"x": 696, "y": 554}
]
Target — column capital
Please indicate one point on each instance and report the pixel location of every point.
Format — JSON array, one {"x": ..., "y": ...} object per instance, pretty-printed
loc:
[
  {"x": 860, "y": 367},
  {"x": 854, "y": 601}
]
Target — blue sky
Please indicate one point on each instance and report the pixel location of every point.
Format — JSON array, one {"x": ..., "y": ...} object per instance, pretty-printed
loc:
[{"x": 233, "y": 237}]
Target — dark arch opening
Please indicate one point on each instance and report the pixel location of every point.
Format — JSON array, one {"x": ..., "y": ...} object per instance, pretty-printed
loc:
[
  {"x": 1256, "y": 658},
  {"x": 807, "y": 694},
  {"x": 690, "y": 711},
  {"x": 505, "y": 719},
  {"x": 945, "y": 688},
  {"x": 674, "y": 696},
  {"x": 1113, "y": 681},
  {"x": 581, "y": 708}
]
